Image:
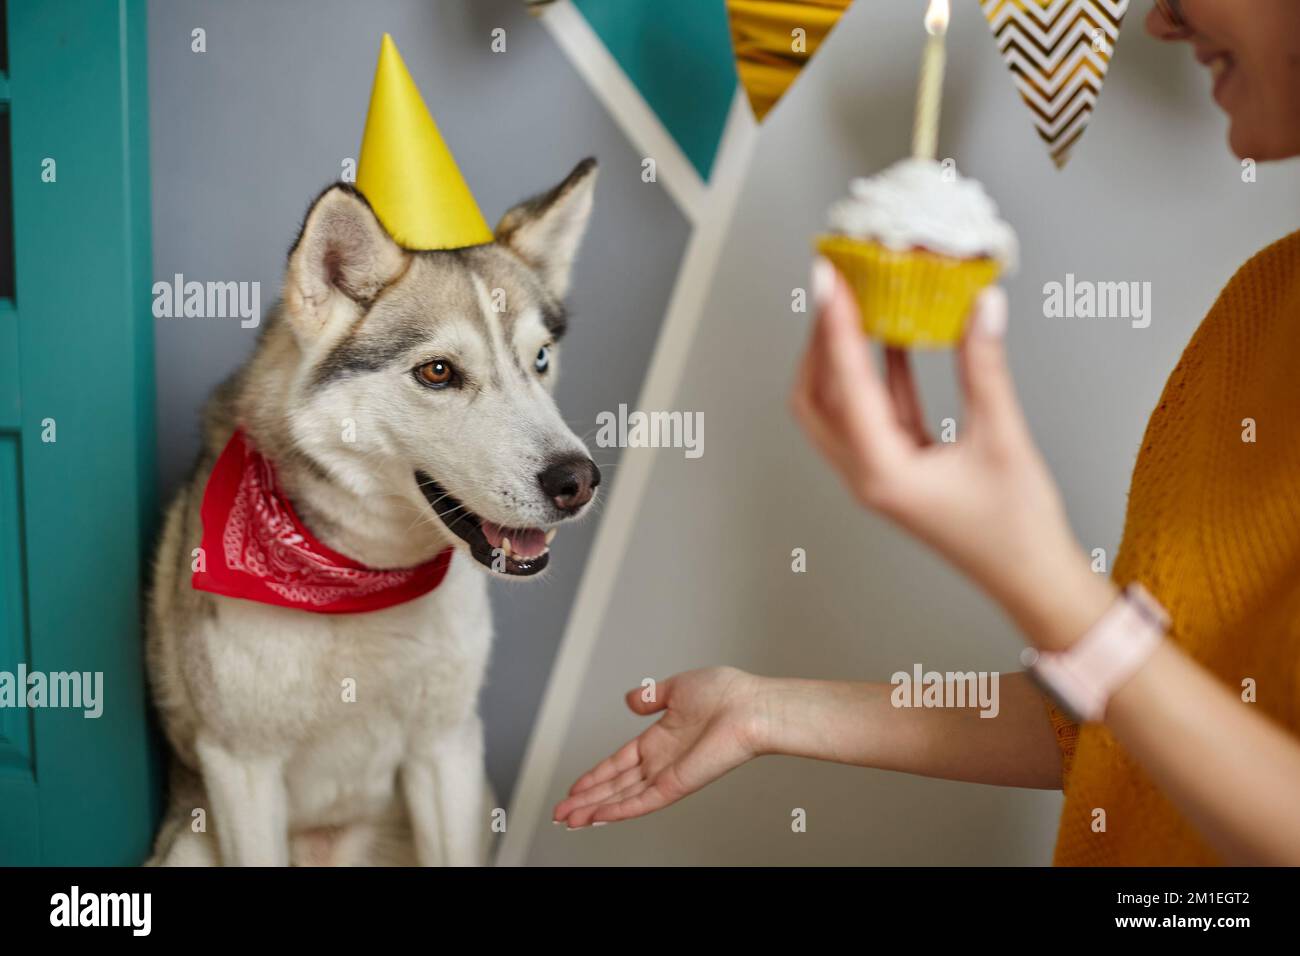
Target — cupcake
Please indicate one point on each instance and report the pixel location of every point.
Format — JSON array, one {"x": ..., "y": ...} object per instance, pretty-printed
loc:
[{"x": 917, "y": 243}]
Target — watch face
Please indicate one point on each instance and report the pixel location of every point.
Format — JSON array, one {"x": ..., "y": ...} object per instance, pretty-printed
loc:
[
  {"x": 1046, "y": 687},
  {"x": 1146, "y": 605}
]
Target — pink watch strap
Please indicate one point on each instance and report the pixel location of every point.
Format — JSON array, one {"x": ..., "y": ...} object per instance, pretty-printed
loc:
[{"x": 1084, "y": 676}]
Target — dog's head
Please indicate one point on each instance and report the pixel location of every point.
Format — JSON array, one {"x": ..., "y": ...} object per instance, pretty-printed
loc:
[{"x": 429, "y": 374}]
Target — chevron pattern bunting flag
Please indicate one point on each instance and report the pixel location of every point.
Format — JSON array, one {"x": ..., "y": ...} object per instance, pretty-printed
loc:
[{"x": 1058, "y": 51}]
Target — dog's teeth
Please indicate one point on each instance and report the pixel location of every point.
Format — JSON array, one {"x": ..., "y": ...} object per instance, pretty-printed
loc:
[
  {"x": 550, "y": 535},
  {"x": 505, "y": 547}
]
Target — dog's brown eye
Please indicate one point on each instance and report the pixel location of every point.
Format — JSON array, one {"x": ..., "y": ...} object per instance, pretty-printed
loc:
[{"x": 435, "y": 373}]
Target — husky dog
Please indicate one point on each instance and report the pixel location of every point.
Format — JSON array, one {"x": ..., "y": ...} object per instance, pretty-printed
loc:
[{"x": 442, "y": 365}]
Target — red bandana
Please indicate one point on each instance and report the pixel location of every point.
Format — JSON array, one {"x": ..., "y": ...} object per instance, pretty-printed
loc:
[{"x": 255, "y": 548}]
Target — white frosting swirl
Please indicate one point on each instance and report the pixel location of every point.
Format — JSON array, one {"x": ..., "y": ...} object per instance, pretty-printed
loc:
[{"x": 913, "y": 204}]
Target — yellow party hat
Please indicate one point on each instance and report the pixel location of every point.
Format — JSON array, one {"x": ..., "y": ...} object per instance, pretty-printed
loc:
[{"x": 406, "y": 171}]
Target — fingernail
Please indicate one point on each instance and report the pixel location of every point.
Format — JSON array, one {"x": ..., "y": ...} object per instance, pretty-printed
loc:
[
  {"x": 557, "y": 823},
  {"x": 991, "y": 312},
  {"x": 601, "y": 823},
  {"x": 823, "y": 281}
]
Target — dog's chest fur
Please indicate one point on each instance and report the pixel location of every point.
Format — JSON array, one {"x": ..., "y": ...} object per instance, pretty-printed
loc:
[
  {"x": 347, "y": 696},
  {"x": 342, "y": 700}
]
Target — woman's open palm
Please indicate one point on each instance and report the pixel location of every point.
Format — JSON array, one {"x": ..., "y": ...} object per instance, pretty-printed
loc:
[{"x": 706, "y": 730}]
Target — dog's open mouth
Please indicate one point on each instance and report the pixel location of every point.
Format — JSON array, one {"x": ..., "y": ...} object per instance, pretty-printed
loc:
[{"x": 515, "y": 551}]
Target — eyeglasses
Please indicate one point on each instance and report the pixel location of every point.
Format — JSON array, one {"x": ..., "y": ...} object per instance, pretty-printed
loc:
[{"x": 1172, "y": 11}]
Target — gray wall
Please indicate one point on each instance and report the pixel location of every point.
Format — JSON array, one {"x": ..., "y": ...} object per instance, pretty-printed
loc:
[
  {"x": 244, "y": 135},
  {"x": 1152, "y": 194}
]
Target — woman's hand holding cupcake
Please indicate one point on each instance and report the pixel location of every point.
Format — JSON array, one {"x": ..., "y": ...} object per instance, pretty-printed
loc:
[{"x": 987, "y": 501}]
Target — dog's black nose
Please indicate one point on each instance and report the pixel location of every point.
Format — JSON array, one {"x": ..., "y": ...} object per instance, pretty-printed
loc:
[{"x": 570, "y": 481}]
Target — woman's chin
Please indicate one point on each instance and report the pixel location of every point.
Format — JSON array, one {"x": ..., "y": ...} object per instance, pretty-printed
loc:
[
  {"x": 1248, "y": 141},
  {"x": 1239, "y": 144}
]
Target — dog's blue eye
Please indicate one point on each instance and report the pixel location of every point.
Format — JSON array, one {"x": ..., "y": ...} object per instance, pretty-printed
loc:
[{"x": 543, "y": 360}]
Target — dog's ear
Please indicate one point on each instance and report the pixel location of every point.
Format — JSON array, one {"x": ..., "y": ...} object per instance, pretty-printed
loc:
[
  {"x": 546, "y": 230},
  {"x": 341, "y": 261}
]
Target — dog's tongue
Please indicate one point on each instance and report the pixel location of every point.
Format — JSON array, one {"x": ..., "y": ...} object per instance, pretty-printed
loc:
[{"x": 524, "y": 542}]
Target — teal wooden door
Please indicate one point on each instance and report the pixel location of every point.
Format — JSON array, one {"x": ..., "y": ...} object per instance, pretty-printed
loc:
[{"x": 76, "y": 433}]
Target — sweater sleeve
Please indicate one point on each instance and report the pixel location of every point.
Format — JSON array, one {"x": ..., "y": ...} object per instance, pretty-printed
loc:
[{"x": 1067, "y": 737}]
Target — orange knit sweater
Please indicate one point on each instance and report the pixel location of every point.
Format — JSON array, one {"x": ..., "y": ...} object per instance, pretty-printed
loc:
[{"x": 1213, "y": 531}]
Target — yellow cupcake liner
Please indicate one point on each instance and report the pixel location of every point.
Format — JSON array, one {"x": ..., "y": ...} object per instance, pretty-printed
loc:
[{"x": 912, "y": 299}]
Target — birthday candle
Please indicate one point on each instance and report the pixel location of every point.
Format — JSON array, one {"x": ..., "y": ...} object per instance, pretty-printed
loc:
[{"x": 929, "y": 92}]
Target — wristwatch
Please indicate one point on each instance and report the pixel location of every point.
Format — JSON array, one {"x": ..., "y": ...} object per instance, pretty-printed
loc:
[{"x": 1083, "y": 677}]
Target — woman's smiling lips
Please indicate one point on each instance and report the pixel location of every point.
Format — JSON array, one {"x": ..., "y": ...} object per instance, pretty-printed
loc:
[{"x": 1221, "y": 64}]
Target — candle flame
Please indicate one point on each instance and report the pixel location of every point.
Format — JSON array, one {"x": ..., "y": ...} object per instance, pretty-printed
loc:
[{"x": 936, "y": 18}]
